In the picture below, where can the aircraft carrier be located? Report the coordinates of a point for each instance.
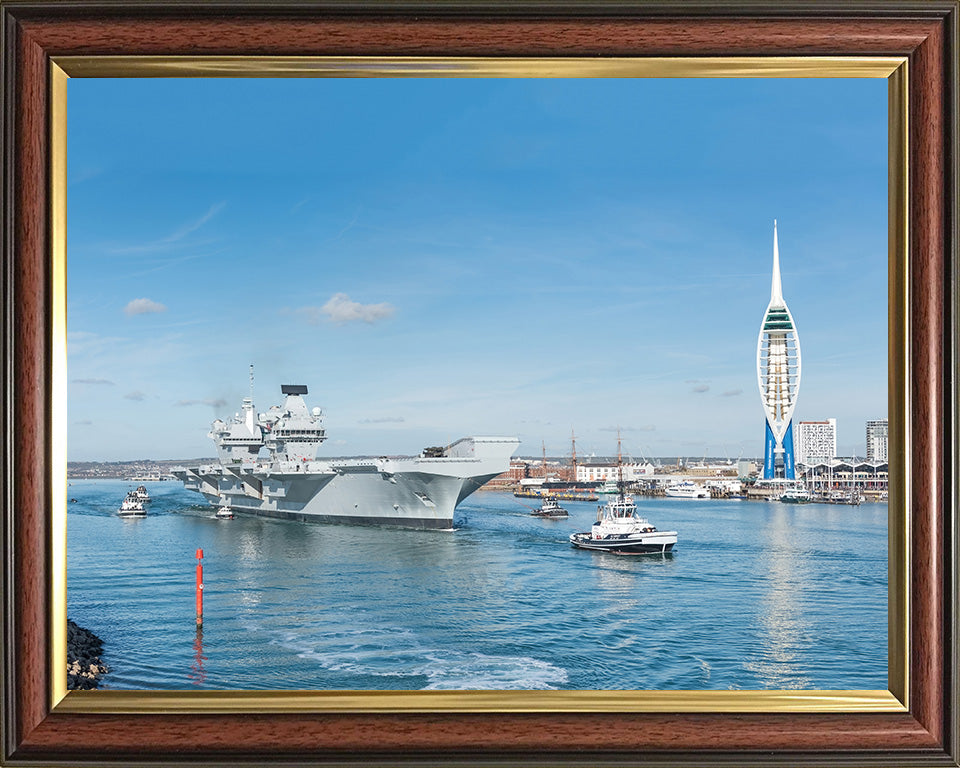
(267, 465)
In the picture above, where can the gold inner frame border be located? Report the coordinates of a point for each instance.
(895, 699)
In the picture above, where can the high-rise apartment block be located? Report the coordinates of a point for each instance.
(877, 431)
(816, 441)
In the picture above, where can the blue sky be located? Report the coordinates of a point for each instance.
(436, 258)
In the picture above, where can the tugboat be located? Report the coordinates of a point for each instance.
(550, 508)
(620, 530)
(131, 507)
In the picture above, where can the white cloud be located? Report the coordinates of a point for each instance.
(341, 309)
(214, 403)
(143, 307)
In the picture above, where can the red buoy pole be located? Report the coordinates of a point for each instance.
(199, 588)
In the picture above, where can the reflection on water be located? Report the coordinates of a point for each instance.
(756, 595)
(197, 674)
(784, 628)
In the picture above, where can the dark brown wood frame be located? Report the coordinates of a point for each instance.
(925, 32)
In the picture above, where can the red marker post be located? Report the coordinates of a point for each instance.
(199, 588)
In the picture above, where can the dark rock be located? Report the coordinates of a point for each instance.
(84, 667)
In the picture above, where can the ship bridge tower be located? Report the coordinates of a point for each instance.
(778, 374)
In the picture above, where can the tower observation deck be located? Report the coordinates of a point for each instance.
(778, 374)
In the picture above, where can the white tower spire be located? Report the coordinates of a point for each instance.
(776, 290)
(778, 373)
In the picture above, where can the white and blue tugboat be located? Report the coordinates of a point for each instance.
(620, 530)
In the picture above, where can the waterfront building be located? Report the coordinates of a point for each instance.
(778, 374)
(599, 473)
(877, 431)
(846, 475)
(519, 469)
(816, 440)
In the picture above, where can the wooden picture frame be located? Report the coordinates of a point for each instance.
(39, 728)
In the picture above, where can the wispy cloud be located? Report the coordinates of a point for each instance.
(701, 388)
(143, 307)
(106, 382)
(341, 309)
(84, 423)
(135, 395)
(644, 428)
(731, 393)
(218, 402)
(174, 237)
(383, 420)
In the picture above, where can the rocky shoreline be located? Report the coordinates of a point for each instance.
(84, 668)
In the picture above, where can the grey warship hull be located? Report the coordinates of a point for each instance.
(412, 492)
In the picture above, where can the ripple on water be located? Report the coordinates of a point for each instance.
(755, 596)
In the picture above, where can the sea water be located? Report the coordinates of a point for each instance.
(756, 595)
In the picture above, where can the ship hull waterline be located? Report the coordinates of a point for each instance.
(648, 545)
(415, 497)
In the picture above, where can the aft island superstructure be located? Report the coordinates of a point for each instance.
(291, 482)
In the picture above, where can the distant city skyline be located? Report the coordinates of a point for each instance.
(436, 258)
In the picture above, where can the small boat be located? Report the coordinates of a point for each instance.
(224, 511)
(609, 487)
(687, 489)
(550, 508)
(141, 493)
(620, 530)
(795, 494)
(131, 507)
(853, 497)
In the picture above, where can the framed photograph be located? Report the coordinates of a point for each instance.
(474, 51)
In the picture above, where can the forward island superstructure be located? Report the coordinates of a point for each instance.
(290, 482)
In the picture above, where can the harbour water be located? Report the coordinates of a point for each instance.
(756, 595)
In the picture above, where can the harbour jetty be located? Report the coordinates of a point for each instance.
(84, 668)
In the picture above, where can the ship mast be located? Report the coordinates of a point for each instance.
(619, 464)
(573, 449)
(543, 466)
